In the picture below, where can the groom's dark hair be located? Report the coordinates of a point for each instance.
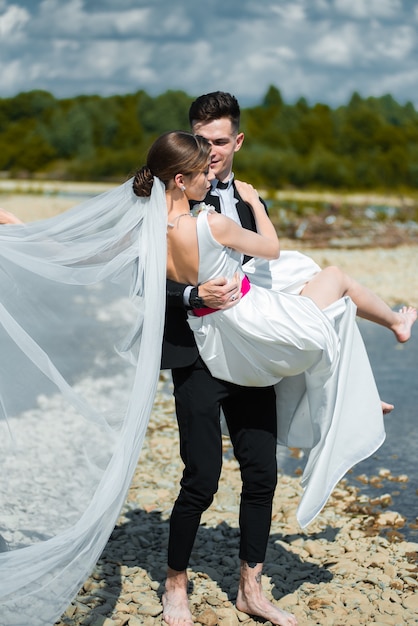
(213, 106)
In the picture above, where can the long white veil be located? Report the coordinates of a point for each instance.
(78, 292)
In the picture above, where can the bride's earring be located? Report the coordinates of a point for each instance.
(183, 188)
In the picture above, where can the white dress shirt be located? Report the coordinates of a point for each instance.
(227, 200)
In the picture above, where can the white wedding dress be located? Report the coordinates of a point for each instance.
(327, 398)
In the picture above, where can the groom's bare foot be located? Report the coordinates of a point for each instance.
(176, 611)
(386, 408)
(251, 599)
(407, 316)
(268, 611)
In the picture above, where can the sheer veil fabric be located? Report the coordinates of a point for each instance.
(81, 320)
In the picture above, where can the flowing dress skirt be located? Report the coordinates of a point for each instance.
(327, 400)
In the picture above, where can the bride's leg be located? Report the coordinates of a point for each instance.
(331, 284)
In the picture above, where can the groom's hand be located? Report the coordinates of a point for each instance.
(220, 293)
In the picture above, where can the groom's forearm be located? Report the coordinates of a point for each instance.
(175, 294)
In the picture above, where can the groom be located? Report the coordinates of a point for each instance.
(250, 412)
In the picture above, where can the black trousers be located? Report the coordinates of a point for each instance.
(251, 417)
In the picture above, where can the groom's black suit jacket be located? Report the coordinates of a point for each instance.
(179, 347)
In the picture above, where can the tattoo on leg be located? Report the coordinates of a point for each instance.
(251, 564)
(258, 578)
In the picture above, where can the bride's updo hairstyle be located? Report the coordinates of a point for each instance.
(175, 152)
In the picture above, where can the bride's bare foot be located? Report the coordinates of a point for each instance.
(176, 611)
(407, 316)
(386, 408)
(251, 599)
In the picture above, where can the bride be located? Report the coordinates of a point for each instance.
(72, 436)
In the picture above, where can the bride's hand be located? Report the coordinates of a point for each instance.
(249, 194)
(220, 293)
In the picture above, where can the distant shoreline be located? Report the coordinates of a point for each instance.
(48, 187)
(390, 271)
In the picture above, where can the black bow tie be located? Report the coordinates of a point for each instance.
(222, 185)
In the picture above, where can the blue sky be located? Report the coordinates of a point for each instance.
(323, 50)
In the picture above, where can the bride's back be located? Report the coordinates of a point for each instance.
(182, 250)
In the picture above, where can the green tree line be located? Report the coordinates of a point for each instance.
(369, 143)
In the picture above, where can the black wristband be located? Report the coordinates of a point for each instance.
(195, 301)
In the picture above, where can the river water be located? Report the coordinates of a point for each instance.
(396, 371)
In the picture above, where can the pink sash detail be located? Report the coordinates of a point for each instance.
(245, 288)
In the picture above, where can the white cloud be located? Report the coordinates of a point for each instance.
(364, 9)
(339, 48)
(70, 19)
(395, 82)
(320, 49)
(13, 21)
(399, 44)
(289, 11)
(10, 75)
(58, 18)
(283, 52)
(321, 5)
(133, 22)
(178, 24)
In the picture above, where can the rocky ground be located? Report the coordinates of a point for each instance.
(343, 571)
(351, 567)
